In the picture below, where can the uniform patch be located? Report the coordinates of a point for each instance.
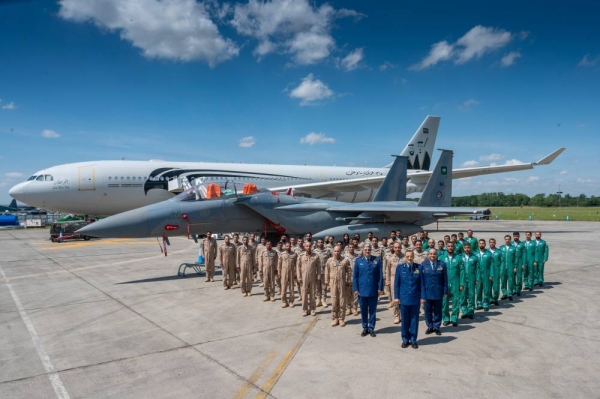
(440, 268)
(417, 271)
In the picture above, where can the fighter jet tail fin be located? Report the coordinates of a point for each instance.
(393, 187)
(438, 191)
(419, 149)
(13, 204)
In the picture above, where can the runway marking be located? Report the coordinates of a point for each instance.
(59, 388)
(279, 369)
(274, 377)
(84, 244)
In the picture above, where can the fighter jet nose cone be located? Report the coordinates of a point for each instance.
(130, 224)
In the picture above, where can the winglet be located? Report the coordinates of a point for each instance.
(419, 149)
(438, 191)
(393, 187)
(549, 158)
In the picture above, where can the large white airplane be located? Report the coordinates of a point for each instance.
(110, 187)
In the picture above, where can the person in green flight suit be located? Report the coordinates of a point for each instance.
(541, 257)
(471, 240)
(529, 272)
(484, 264)
(519, 263)
(458, 245)
(469, 282)
(508, 268)
(454, 270)
(495, 272)
(441, 248)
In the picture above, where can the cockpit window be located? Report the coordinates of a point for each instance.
(210, 191)
(32, 178)
(40, 178)
(49, 178)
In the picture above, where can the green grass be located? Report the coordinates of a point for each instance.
(588, 214)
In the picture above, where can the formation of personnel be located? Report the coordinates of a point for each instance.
(476, 273)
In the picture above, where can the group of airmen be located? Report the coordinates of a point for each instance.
(478, 272)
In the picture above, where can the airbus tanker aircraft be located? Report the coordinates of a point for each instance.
(227, 207)
(110, 187)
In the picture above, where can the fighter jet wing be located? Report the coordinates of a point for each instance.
(405, 208)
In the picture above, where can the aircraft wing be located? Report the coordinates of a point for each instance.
(327, 188)
(421, 177)
(404, 207)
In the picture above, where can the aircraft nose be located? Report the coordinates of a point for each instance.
(16, 192)
(130, 224)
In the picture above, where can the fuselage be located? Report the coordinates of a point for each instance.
(110, 187)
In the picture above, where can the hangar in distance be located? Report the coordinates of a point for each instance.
(110, 187)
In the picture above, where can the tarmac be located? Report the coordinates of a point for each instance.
(111, 318)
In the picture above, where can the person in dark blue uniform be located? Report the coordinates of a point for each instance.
(434, 288)
(367, 282)
(407, 289)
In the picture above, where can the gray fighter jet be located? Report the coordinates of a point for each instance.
(227, 207)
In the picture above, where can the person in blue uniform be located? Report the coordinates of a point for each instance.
(434, 288)
(367, 282)
(407, 289)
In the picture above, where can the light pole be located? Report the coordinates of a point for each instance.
(559, 193)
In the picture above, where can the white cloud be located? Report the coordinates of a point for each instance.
(316, 138)
(247, 142)
(510, 58)
(294, 27)
(352, 60)
(477, 42)
(580, 126)
(50, 134)
(513, 162)
(532, 179)
(173, 29)
(480, 40)
(440, 51)
(583, 181)
(387, 66)
(10, 106)
(466, 105)
(563, 172)
(402, 81)
(586, 61)
(491, 158)
(469, 164)
(311, 90)
(14, 175)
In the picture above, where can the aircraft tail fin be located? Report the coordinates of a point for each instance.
(419, 149)
(393, 187)
(13, 204)
(438, 191)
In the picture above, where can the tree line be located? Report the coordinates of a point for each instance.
(542, 200)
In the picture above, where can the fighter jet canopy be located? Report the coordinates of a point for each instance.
(220, 190)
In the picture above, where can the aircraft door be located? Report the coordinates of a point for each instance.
(86, 178)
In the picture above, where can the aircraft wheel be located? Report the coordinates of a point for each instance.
(86, 238)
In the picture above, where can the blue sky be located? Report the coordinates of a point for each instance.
(245, 82)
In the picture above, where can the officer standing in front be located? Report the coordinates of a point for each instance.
(434, 288)
(227, 259)
(367, 282)
(407, 288)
